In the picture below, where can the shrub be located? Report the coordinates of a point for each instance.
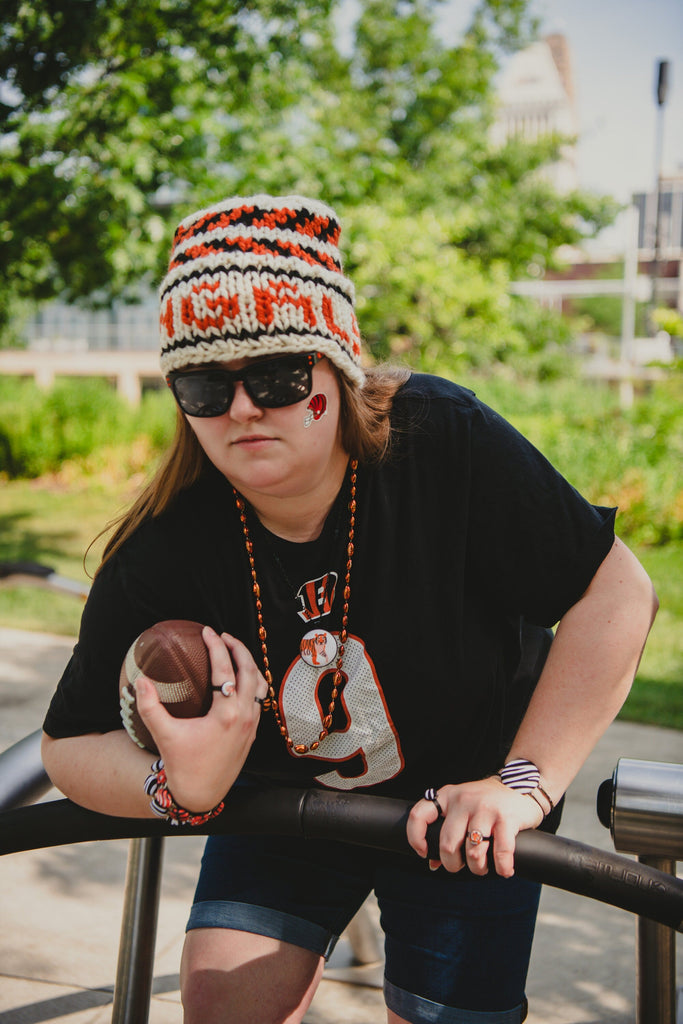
(625, 457)
(40, 430)
(630, 458)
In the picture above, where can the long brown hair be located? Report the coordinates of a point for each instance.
(365, 435)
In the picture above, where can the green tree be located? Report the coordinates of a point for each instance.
(120, 117)
(115, 113)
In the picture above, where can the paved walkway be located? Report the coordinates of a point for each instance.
(60, 912)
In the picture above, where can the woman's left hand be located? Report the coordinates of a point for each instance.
(486, 807)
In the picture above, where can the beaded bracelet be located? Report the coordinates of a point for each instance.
(163, 804)
(525, 777)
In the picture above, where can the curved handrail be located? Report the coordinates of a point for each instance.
(36, 574)
(23, 779)
(365, 820)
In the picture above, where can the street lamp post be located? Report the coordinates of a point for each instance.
(661, 94)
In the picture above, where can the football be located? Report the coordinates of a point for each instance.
(174, 656)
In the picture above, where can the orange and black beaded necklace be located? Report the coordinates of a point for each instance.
(271, 702)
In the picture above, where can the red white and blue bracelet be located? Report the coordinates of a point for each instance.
(164, 806)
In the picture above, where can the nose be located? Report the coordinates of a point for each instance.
(242, 408)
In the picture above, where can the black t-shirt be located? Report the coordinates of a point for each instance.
(464, 534)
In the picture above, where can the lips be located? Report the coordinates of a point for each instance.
(252, 439)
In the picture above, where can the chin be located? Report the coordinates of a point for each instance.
(275, 480)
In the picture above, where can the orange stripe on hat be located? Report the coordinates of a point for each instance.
(254, 276)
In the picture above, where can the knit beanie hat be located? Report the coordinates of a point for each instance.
(258, 276)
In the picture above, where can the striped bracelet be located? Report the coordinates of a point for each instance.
(525, 777)
(164, 806)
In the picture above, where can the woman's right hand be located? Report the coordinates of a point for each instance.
(203, 756)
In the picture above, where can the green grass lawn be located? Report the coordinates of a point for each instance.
(53, 520)
(657, 695)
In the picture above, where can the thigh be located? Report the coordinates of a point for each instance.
(456, 940)
(301, 891)
(231, 976)
(267, 912)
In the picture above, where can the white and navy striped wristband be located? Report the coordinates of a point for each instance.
(525, 778)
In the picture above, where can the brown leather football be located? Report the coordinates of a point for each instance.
(174, 656)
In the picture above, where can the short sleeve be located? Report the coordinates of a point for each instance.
(179, 565)
(534, 542)
(118, 609)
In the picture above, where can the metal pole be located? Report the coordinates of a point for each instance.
(135, 969)
(661, 92)
(628, 311)
(655, 962)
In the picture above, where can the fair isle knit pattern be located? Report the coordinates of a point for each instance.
(258, 276)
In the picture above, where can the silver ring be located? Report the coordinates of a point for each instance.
(476, 837)
(227, 688)
(430, 794)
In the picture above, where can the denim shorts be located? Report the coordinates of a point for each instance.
(457, 946)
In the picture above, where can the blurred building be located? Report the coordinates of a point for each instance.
(660, 239)
(669, 205)
(658, 259)
(536, 97)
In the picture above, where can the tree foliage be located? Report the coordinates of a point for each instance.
(120, 117)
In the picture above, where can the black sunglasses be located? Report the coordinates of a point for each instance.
(272, 384)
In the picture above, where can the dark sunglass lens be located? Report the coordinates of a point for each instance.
(274, 386)
(203, 394)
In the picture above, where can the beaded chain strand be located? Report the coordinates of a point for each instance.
(271, 702)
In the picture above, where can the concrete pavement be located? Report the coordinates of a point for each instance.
(60, 912)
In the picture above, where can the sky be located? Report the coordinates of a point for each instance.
(615, 49)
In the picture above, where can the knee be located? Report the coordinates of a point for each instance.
(218, 997)
(199, 996)
(200, 986)
(272, 985)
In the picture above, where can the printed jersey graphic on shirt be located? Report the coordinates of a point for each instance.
(318, 648)
(317, 596)
(368, 745)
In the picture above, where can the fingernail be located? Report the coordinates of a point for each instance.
(141, 686)
(434, 865)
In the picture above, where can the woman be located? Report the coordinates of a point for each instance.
(368, 551)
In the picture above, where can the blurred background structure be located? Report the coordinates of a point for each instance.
(613, 288)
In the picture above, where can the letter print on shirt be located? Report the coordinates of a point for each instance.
(317, 597)
(370, 735)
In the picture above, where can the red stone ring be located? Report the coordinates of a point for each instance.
(476, 837)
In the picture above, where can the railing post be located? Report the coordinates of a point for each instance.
(655, 962)
(643, 807)
(135, 968)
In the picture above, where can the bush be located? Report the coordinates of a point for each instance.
(630, 458)
(40, 431)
